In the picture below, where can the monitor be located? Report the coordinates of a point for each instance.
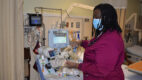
(52, 53)
(58, 38)
(35, 19)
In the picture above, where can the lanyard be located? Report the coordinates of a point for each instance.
(91, 43)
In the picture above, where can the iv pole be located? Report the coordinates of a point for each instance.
(41, 9)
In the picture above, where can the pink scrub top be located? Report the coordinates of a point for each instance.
(103, 59)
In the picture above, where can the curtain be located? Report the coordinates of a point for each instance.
(121, 13)
(11, 40)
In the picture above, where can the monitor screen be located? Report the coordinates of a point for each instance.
(58, 38)
(35, 19)
(52, 53)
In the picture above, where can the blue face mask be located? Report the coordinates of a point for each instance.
(96, 24)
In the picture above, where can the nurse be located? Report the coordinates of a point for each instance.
(104, 54)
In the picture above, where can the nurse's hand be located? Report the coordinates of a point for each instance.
(70, 64)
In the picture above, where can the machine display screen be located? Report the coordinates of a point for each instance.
(59, 40)
(52, 53)
(59, 37)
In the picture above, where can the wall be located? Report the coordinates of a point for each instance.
(132, 6)
(141, 15)
(63, 4)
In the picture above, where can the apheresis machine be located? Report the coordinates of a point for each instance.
(51, 60)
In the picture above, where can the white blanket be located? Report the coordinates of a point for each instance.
(130, 75)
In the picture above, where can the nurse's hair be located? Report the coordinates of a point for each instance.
(109, 18)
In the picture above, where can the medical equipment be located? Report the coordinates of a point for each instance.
(78, 35)
(51, 64)
(53, 56)
(35, 19)
(58, 38)
(134, 53)
(41, 9)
